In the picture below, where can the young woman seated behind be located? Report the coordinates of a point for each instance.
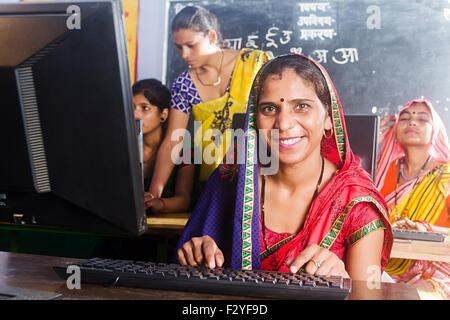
(151, 102)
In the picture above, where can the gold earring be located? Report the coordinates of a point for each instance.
(327, 136)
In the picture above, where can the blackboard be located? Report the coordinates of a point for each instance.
(379, 54)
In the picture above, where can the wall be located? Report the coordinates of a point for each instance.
(150, 37)
(151, 34)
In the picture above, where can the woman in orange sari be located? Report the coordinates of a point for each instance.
(413, 175)
(319, 211)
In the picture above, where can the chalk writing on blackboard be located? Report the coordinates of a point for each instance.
(314, 6)
(313, 20)
(347, 55)
(339, 55)
(313, 34)
(284, 39)
(316, 21)
(377, 57)
(233, 43)
(251, 41)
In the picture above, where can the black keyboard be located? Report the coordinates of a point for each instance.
(418, 235)
(253, 283)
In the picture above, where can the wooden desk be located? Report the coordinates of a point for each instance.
(171, 222)
(35, 272)
(407, 249)
(421, 250)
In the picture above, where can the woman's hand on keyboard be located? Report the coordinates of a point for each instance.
(405, 223)
(318, 261)
(201, 251)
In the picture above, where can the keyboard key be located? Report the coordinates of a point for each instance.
(322, 284)
(296, 282)
(252, 280)
(309, 283)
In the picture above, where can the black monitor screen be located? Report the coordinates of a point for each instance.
(362, 131)
(70, 156)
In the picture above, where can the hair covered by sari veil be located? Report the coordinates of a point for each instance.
(228, 209)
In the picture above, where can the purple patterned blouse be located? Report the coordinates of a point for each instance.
(184, 93)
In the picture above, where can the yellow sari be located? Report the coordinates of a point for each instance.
(216, 116)
(425, 202)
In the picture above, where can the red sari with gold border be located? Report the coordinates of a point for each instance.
(347, 209)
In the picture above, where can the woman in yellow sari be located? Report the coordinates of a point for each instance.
(216, 86)
(414, 177)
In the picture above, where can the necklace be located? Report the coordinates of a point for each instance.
(423, 167)
(215, 84)
(417, 176)
(263, 188)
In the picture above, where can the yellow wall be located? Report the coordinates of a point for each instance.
(131, 15)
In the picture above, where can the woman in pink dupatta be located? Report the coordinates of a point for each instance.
(414, 176)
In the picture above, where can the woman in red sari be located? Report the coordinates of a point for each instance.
(319, 211)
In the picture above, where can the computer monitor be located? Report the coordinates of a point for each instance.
(362, 131)
(70, 157)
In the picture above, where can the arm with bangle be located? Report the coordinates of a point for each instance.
(434, 228)
(181, 199)
(420, 225)
(164, 163)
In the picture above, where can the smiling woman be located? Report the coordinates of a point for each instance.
(319, 211)
(301, 118)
